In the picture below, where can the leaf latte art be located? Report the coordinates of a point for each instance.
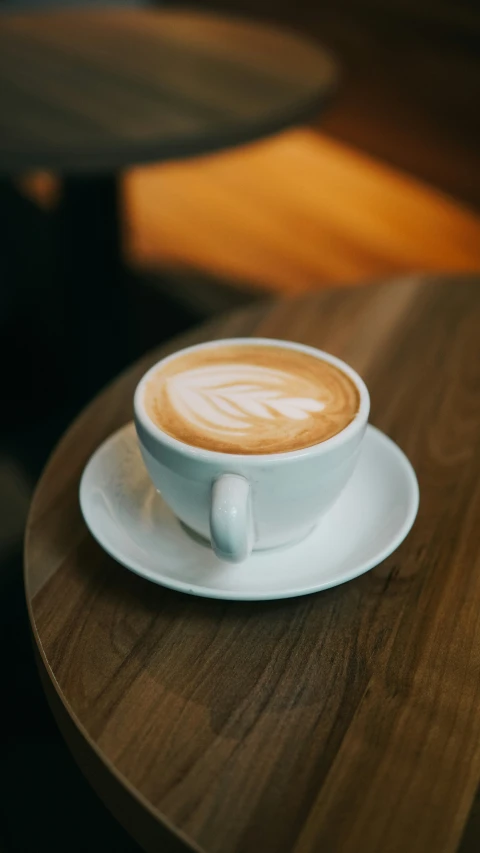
(232, 397)
(250, 398)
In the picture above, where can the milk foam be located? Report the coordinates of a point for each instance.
(228, 399)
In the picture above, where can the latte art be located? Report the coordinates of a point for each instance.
(232, 398)
(250, 399)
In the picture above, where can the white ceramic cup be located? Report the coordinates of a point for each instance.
(243, 502)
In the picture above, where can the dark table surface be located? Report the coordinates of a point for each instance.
(344, 721)
(87, 91)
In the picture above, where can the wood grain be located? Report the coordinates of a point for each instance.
(90, 91)
(348, 720)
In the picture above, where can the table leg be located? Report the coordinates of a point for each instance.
(91, 280)
(33, 381)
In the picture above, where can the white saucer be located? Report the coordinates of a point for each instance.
(133, 524)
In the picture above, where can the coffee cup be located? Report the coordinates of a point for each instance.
(250, 441)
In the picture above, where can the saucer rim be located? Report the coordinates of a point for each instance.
(237, 595)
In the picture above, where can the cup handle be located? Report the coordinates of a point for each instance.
(231, 522)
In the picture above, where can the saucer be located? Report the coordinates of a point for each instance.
(130, 520)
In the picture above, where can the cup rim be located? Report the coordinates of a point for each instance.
(201, 453)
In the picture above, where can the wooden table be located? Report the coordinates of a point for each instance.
(88, 93)
(345, 721)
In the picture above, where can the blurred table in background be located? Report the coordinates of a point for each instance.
(86, 94)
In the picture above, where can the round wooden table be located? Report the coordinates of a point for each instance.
(88, 93)
(343, 721)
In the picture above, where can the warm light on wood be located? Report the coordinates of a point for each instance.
(293, 213)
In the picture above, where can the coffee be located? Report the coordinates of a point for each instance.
(250, 399)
